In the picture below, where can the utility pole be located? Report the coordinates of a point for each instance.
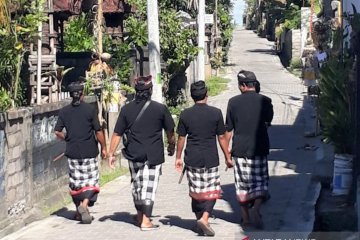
(201, 41)
(154, 49)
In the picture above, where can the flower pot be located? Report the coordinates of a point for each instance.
(342, 174)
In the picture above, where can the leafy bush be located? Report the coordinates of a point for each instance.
(120, 60)
(77, 35)
(295, 63)
(216, 61)
(292, 17)
(334, 104)
(17, 31)
(5, 100)
(127, 88)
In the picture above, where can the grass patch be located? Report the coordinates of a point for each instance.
(109, 175)
(216, 85)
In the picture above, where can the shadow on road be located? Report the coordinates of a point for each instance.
(177, 221)
(65, 213)
(265, 51)
(125, 217)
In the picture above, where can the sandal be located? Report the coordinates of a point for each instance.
(208, 231)
(150, 228)
(85, 215)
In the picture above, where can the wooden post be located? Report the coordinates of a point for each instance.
(99, 27)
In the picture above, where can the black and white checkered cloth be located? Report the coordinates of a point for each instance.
(144, 181)
(83, 173)
(251, 178)
(204, 183)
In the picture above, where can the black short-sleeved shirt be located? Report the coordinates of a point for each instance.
(80, 123)
(146, 140)
(247, 114)
(201, 123)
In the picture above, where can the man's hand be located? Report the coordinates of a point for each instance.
(178, 165)
(103, 153)
(171, 149)
(229, 163)
(111, 161)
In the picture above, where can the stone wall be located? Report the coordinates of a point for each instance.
(290, 42)
(29, 178)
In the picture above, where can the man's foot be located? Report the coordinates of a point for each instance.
(205, 227)
(258, 223)
(245, 223)
(85, 215)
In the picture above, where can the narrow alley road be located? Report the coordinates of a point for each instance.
(293, 193)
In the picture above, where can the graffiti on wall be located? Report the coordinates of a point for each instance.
(43, 130)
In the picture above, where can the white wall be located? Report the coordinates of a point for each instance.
(305, 26)
(347, 8)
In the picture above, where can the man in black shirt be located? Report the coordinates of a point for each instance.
(248, 116)
(81, 123)
(143, 121)
(202, 124)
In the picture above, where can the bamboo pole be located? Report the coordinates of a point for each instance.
(99, 27)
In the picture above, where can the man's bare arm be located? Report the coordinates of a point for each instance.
(179, 149)
(101, 139)
(224, 144)
(60, 135)
(114, 143)
(171, 141)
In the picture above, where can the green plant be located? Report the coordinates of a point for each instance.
(5, 100)
(216, 85)
(216, 61)
(120, 60)
(127, 88)
(334, 104)
(136, 29)
(175, 41)
(295, 63)
(77, 35)
(17, 31)
(292, 17)
(176, 110)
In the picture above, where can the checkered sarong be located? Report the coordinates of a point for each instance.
(204, 183)
(83, 173)
(251, 178)
(144, 181)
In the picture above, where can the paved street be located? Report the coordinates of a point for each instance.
(293, 193)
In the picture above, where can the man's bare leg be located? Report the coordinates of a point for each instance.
(245, 214)
(257, 216)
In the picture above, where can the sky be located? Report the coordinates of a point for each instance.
(239, 6)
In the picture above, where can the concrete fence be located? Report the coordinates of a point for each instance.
(290, 45)
(30, 180)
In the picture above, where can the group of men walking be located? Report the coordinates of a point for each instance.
(141, 123)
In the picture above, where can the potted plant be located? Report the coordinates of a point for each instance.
(336, 117)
